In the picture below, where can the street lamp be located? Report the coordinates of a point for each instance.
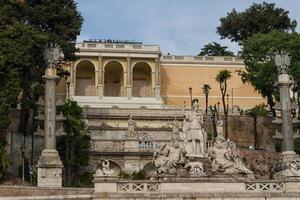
(218, 106)
(191, 95)
(227, 95)
(68, 94)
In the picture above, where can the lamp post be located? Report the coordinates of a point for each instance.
(49, 164)
(191, 95)
(218, 106)
(68, 90)
(232, 100)
(227, 95)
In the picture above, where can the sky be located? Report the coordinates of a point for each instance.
(178, 26)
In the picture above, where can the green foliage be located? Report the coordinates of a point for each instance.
(141, 175)
(83, 180)
(223, 76)
(205, 89)
(297, 146)
(4, 160)
(26, 29)
(258, 110)
(258, 53)
(258, 18)
(215, 49)
(123, 175)
(74, 146)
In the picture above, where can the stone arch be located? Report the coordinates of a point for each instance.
(113, 79)
(85, 78)
(142, 80)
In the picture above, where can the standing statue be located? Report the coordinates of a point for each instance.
(175, 127)
(195, 135)
(219, 127)
(131, 127)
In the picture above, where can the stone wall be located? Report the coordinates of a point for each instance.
(109, 126)
(241, 131)
(20, 192)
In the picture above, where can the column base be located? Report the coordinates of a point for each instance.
(131, 144)
(49, 169)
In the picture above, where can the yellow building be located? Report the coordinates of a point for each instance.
(133, 75)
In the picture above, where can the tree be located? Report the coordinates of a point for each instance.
(215, 49)
(256, 111)
(27, 28)
(205, 90)
(222, 78)
(258, 18)
(74, 146)
(4, 160)
(258, 53)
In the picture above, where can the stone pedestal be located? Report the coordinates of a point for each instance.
(49, 169)
(131, 144)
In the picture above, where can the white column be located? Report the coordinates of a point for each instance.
(129, 79)
(49, 164)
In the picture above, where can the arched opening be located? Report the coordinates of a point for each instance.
(113, 79)
(85, 79)
(142, 85)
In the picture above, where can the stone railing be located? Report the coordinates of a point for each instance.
(265, 187)
(117, 46)
(201, 58)
(148, 145)
(107, 145)
(138, 187)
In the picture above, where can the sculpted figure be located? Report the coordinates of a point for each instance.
(195, 168)
(131, 127)
(175, 127)
(194, 131)
(292, 169)
(224, 158)
(168, 157)
(105, 170)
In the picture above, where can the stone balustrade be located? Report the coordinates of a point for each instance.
(265, 186)
(214, 59)
(117, 46)
(204, 185)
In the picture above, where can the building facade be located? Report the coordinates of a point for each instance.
(134, 75)
(113, 80)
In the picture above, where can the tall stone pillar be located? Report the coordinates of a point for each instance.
(289, 160)
(100, 85)
(284, 83)
(157, 80)
(49, 164)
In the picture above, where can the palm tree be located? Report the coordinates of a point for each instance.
(256, 111)
(222, 78)
(205, 90)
